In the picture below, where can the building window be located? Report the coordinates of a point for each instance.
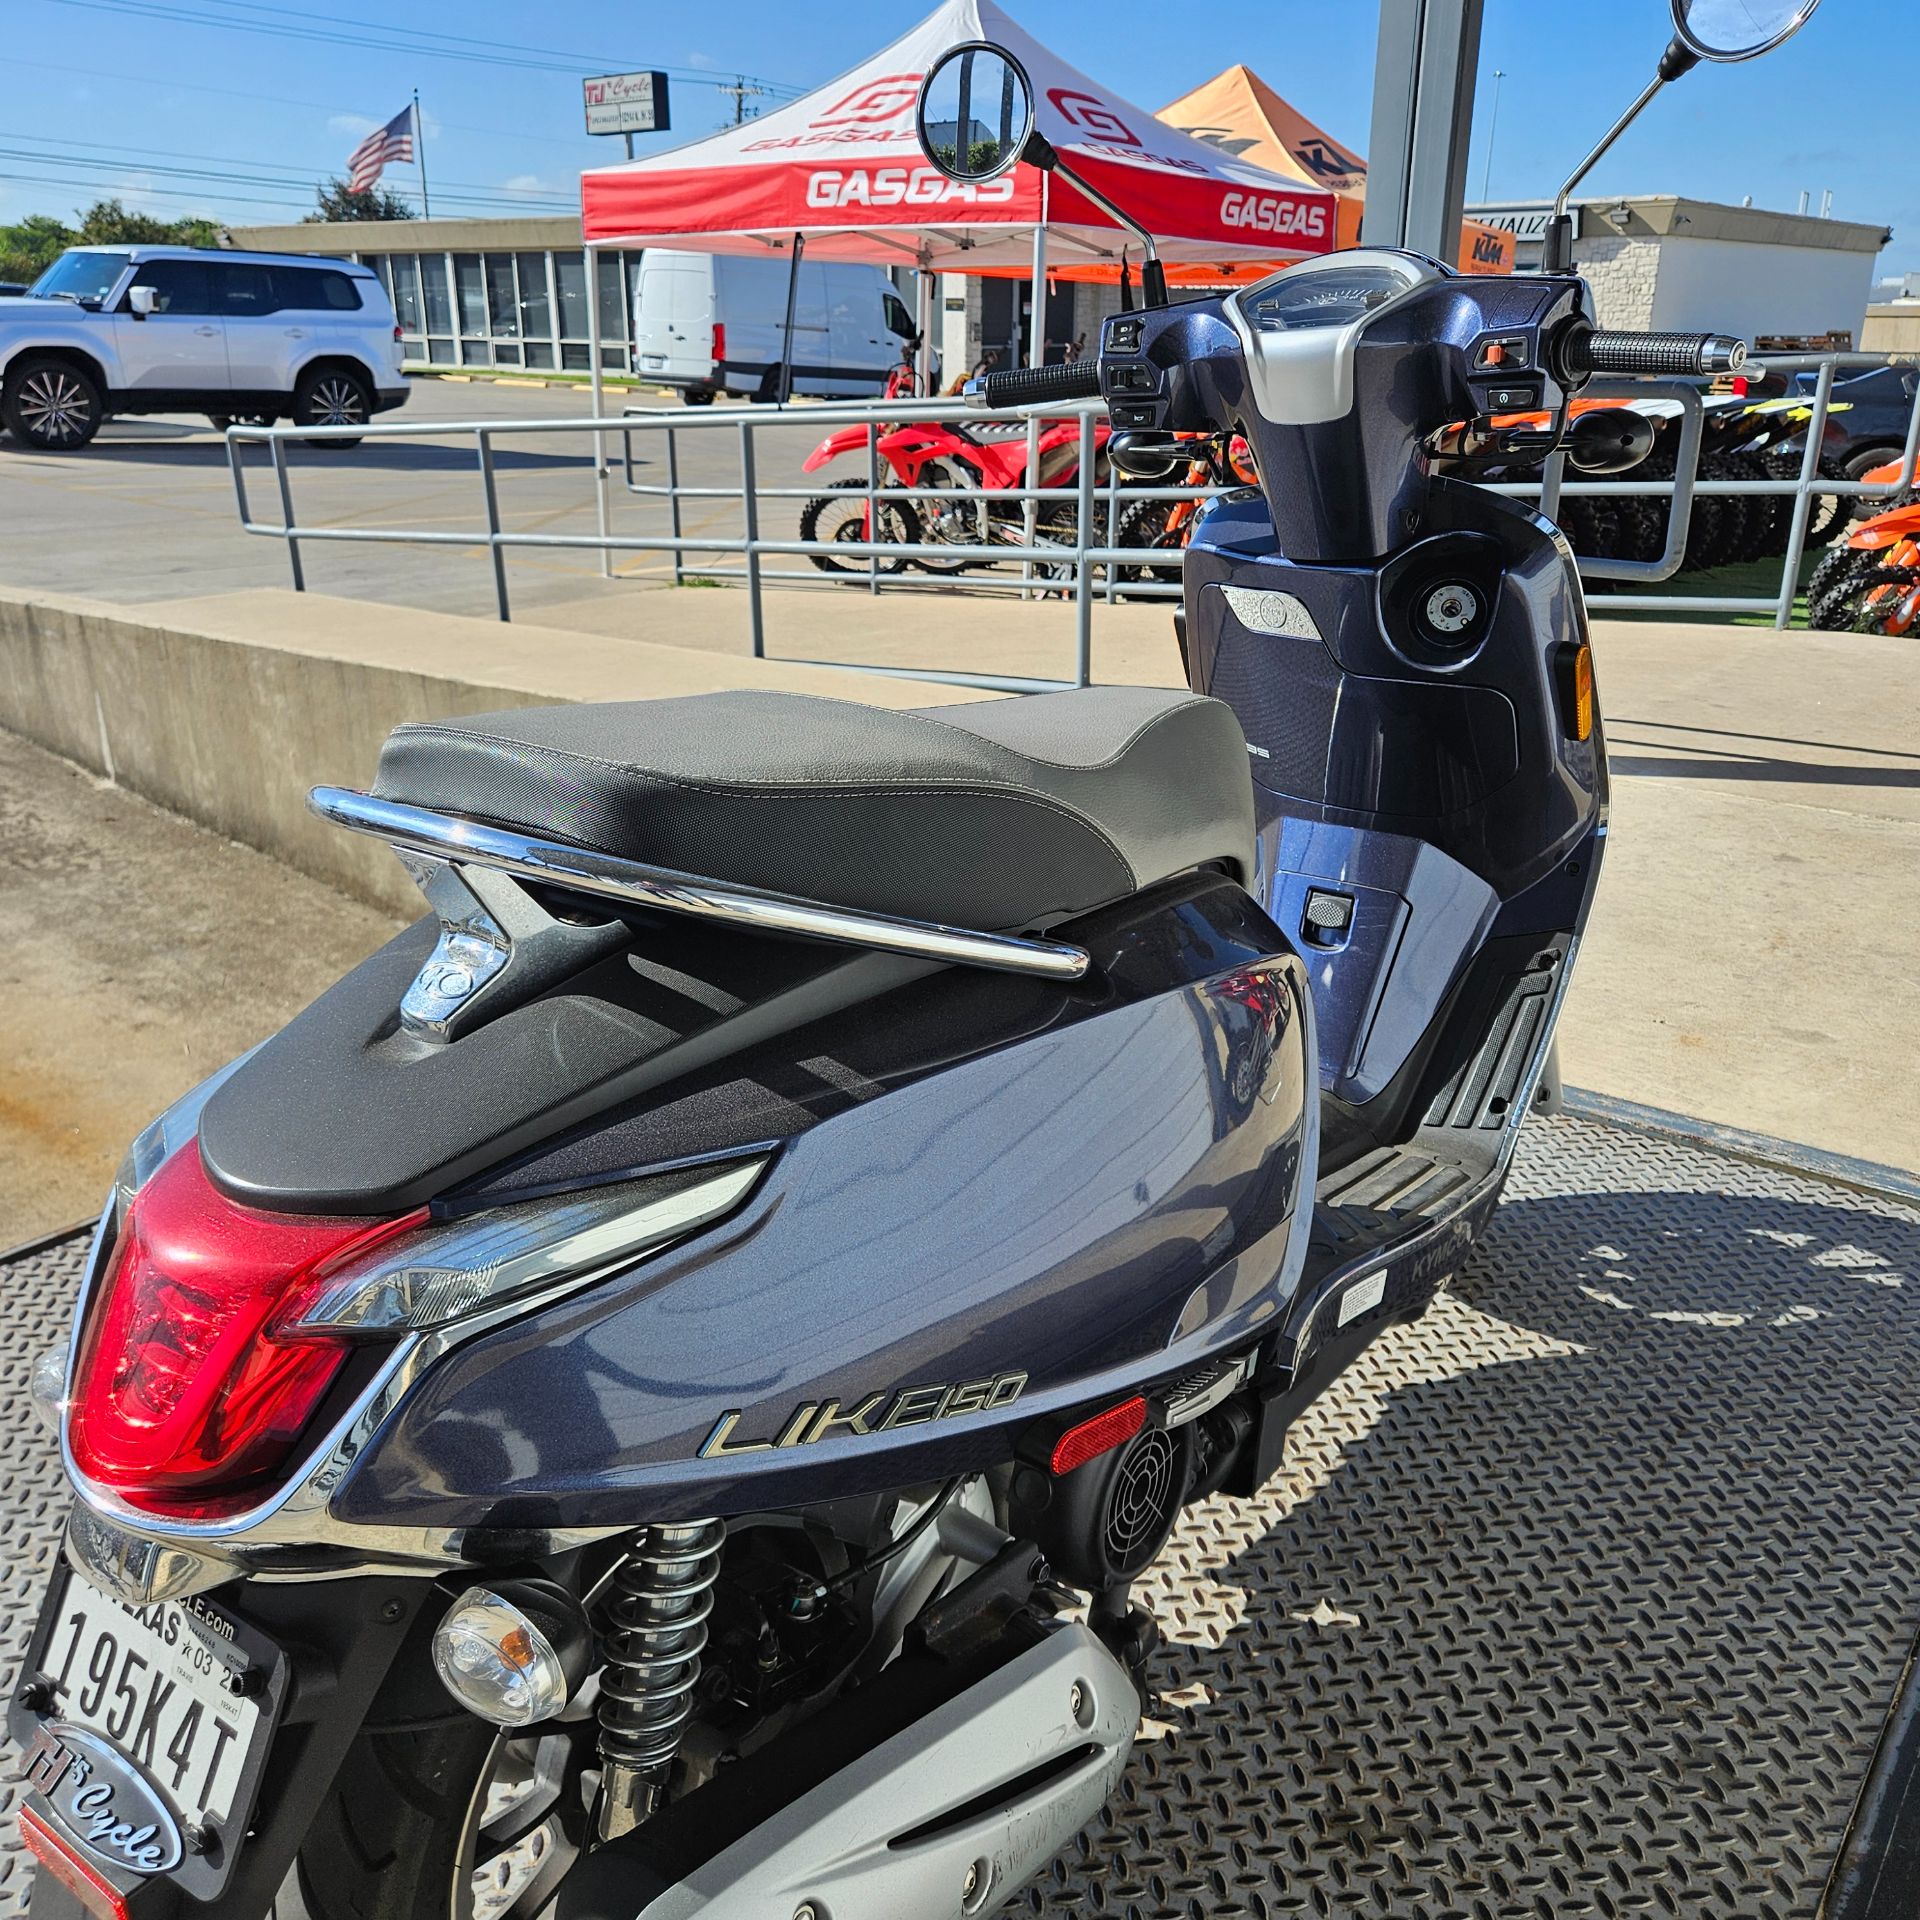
(536, 309)
(503, 301)
(406, 293)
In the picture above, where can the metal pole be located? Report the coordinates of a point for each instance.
(751, 528)
(673, 506)
(484, 441)
(873, 506)
(1082, 575)
(1803, 500)
(286, 512)
(1428, 54)
(923, 312)
(597, 387)
(1036, 357)
(786, 338)
(420, 154)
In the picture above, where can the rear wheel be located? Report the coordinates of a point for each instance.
(696, 396)
(52, 405)
(332, 397)
(841, 514)
(1875, 599)
(457, 1822)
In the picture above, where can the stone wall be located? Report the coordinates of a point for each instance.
(1623, 273)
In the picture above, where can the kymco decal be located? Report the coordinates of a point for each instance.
(1094, 118)
(884, 97)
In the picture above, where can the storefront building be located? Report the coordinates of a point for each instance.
(481, 293)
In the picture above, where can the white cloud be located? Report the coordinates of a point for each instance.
(351, 126)
(526, 186)
(705, 60)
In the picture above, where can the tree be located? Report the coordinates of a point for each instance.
(338, 201)
(30, 246)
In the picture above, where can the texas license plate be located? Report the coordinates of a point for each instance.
(167, 1708)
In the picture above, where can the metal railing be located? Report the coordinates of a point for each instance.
(1089, 565)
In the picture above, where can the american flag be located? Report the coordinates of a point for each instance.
(385, 147)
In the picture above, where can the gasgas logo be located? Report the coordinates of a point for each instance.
(882, 1412)
(1093, 117)
(899, 187)
(885, 97)
(1269, 213)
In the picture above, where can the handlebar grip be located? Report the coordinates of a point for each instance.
(1596, 351)
(1037, 386)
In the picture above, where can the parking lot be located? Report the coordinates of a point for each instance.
(155, 499)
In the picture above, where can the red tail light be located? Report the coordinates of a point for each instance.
(185, 1385)
(397, 334)
(719, 341)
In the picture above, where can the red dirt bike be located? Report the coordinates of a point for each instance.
(1870, 582)
(941, 455)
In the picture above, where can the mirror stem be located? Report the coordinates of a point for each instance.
(1556, 252)
(1040, 152)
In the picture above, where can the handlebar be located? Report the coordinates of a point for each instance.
(1588, 350)
(1037, 386)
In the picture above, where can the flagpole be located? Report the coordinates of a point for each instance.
(420, 154)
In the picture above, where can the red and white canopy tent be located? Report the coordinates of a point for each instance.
(841, 169)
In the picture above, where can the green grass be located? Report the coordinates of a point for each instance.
(1745, 580)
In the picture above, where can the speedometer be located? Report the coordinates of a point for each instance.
(1327, 297)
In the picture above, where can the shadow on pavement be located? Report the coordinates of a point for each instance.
(1599, 1578)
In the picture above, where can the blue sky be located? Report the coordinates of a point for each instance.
(108, 95)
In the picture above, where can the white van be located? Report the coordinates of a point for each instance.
(711, 323)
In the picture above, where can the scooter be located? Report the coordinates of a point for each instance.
(940, 457)
(650, 1396)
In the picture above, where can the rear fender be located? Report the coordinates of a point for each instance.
(1886, 529)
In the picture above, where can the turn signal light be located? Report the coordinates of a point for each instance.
(1573, 669)
(183, 1383)
(1105, 1431)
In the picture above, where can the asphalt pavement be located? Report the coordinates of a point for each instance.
(147, 512)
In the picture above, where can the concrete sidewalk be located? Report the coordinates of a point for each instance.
(1750, 960)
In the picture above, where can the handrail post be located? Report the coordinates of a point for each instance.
(673, 507)
(1082, 571)
(286, 512)
(750, 517)
(873, 506)
(484, 443)
(1803, 498)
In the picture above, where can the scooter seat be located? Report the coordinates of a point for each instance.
(1000, 814)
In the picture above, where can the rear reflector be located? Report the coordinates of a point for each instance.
(186, 1383)
(91, 1888)
(1101, 1434)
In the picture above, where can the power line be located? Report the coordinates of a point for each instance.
(140, 157)
(372, 36)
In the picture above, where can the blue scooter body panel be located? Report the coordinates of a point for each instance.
(1083, 1213)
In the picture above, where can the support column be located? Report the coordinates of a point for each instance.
(1424, 73)
(597, 387)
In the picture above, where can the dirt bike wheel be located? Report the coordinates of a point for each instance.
(1867, 601)
(1835, 568)
(833, 516)
(1144, 524)
(454, 1821)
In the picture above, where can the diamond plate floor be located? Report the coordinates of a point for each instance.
(1585, 1596)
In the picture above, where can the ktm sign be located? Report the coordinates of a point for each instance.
(1269, 213)
(899, 187)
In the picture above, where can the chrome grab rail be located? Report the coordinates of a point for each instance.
(558, 863)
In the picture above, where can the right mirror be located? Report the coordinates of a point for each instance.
(1738, 29)
(975, 112)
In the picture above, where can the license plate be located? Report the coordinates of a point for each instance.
(183, 1691)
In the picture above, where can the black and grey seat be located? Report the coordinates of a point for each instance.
(996, 814)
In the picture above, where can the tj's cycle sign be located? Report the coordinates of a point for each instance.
(626, 103)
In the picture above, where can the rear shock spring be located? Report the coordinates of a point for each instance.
(659, 1599)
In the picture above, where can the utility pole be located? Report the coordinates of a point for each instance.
(741, 88)
(1493, 126)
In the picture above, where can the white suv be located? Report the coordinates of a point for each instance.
(109, 330)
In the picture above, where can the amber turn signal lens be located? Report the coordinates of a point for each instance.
(1573, 670)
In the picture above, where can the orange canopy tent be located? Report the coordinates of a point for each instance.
(1239, 113)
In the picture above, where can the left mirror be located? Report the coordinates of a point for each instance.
(976, 112)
